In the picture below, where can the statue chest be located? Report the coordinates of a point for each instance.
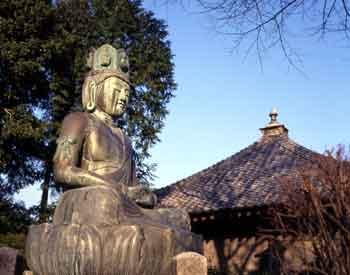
(103, 143)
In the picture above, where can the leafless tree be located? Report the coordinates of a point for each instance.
(263, 24)
(318, 212)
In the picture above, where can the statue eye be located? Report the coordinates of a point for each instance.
(124, 68)
(124, 63)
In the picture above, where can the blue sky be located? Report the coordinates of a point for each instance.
(223, 98)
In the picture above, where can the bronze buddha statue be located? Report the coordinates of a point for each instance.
(103, 223)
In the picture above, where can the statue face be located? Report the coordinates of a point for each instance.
(114, 97)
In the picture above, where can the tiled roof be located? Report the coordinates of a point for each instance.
(249, 178)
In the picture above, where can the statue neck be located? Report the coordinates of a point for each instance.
(104, 117)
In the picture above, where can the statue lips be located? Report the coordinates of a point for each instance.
(119, 107)
(122, 104)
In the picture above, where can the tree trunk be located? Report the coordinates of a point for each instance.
(45, 194)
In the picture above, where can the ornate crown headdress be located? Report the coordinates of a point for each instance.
(110, 61)
(104, 62)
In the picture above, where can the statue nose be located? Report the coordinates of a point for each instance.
(124, 94)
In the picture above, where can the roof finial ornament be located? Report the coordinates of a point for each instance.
(273, 115)
(274, 128)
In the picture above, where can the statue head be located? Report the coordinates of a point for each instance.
(106, 86)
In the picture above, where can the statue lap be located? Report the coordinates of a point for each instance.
(97, 230)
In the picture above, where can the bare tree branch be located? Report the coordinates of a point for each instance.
(266, 23)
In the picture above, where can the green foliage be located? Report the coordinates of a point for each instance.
(23, 83)
(42, 65)
(14, 217)
(14, 240)
(14, 222)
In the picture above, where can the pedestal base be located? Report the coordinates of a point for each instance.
(99, 231)
(106, 250)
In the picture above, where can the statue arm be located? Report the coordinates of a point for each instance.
(68, 151)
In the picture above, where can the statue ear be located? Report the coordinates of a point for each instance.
(89, 96)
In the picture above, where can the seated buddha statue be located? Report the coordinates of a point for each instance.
(104, 223)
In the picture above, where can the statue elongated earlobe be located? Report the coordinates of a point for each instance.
(92, 97)
(89, 96)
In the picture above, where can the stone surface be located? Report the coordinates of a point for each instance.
(191, 263)
(11, 261)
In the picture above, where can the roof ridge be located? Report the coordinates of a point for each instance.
(299, 146)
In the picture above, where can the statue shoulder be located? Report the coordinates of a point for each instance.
(75, 124)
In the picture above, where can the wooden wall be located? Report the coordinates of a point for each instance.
(234, 255)
(233, 244)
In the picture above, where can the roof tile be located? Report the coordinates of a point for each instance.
(248, 178)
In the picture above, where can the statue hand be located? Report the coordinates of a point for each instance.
(142, 195)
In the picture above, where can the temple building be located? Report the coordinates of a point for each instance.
(228, 201)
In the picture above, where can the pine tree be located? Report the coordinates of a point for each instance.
(24, 32)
